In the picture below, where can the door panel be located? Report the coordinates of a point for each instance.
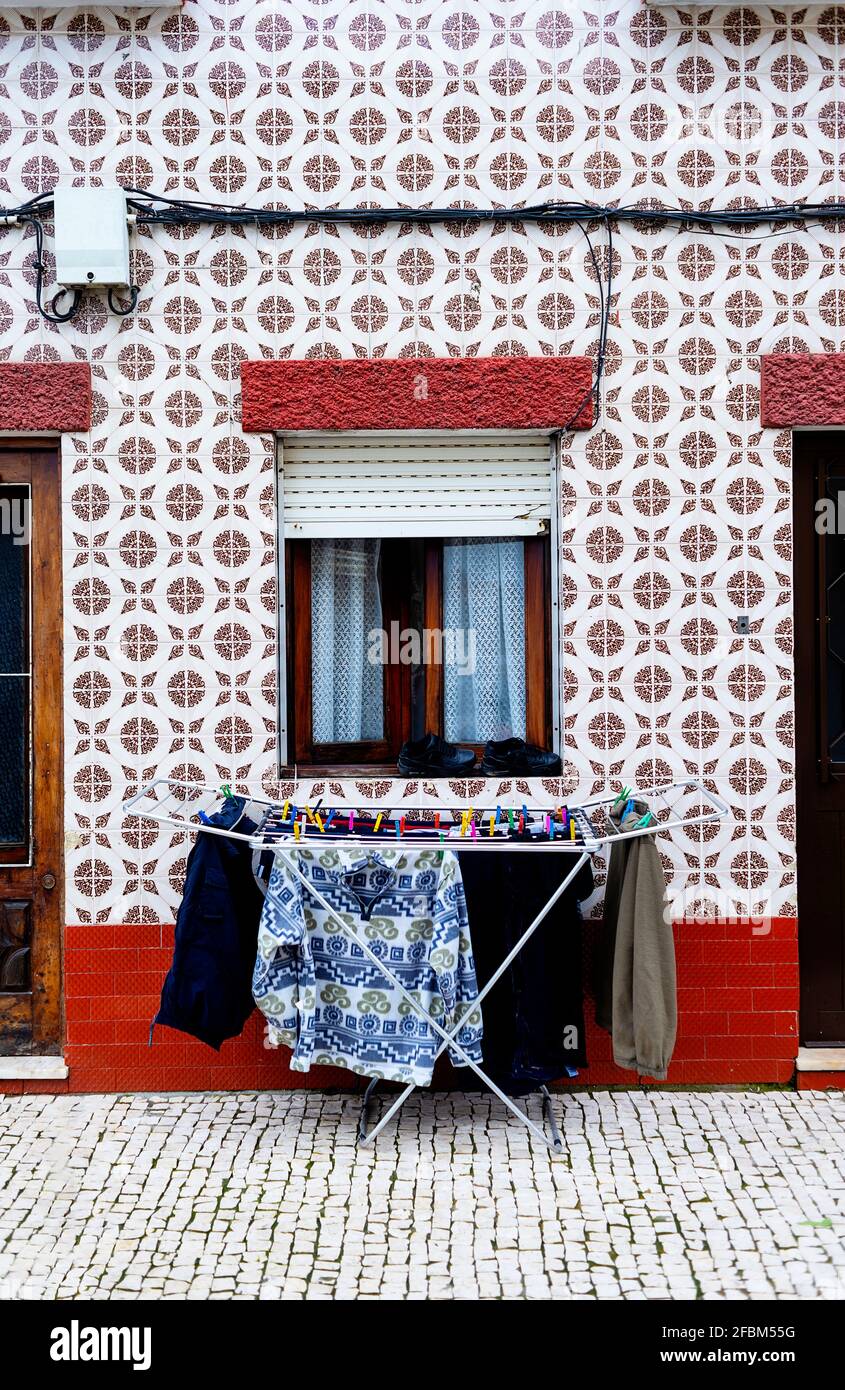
(819, 582)
(30, 751)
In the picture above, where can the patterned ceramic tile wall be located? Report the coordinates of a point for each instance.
(675, 508)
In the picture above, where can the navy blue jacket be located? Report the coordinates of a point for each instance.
(208, 990)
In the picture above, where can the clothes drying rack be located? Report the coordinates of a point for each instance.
(675, 805)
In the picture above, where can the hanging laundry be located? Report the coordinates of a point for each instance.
(636, 996)
(208, 989)
(320, 994)
(533, 1015)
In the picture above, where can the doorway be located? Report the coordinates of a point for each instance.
(30, 750)
(819, 608)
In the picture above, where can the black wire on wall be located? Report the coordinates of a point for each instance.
(154, 209)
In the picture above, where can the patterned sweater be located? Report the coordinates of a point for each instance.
(320, 994)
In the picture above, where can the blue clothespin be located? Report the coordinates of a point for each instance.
(629, 807)
(201, 816)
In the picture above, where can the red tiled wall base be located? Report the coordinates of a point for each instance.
(821, 1081)
(737, 996)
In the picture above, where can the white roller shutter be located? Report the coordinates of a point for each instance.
(406, 484)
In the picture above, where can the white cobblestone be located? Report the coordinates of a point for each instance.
(267, 1196)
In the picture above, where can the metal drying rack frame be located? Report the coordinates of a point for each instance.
(178, 806)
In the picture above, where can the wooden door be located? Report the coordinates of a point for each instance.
(819, 598)
(30, 750)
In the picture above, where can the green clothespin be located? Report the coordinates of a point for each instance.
(644, 820)
(227, 791)
(625, 792)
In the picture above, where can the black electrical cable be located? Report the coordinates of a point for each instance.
(158, 209)
(38, 264)
(124, 310)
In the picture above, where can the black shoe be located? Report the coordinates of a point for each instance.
(432, 755)
(513, 757)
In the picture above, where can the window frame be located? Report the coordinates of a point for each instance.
(379, 756)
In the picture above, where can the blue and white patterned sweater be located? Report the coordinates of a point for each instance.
(320, 994)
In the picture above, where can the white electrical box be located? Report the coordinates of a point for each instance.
(91, 238)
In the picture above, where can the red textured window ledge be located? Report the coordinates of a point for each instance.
(45, 396)
(802, 388)
(432, 393)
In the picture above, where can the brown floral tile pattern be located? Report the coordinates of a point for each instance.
(675, 511)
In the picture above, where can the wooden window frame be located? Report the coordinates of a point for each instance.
(379, 756)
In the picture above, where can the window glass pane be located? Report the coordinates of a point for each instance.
(14, 773)
(14, 666)
(14, 570)
(347, 675)
(484, 639)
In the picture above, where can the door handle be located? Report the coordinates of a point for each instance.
(48, 881)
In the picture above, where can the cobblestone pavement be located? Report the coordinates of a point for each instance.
(663, 1194)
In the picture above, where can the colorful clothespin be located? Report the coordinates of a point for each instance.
(285, 810)
(626, 791)
(379, 819)
(571, 828)
(498, 815)
(644, 820)
(329, 818)
(319, 821)
(296, 830)
(510, 817)
(492, 823)
(351, 822)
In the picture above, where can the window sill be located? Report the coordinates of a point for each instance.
(358, 771)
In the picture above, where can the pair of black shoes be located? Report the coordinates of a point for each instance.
(432, 756)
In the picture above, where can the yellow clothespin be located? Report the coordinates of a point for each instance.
(379, 819)
(296, 830)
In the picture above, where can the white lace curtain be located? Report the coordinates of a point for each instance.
(484, 595)
(347, 688)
